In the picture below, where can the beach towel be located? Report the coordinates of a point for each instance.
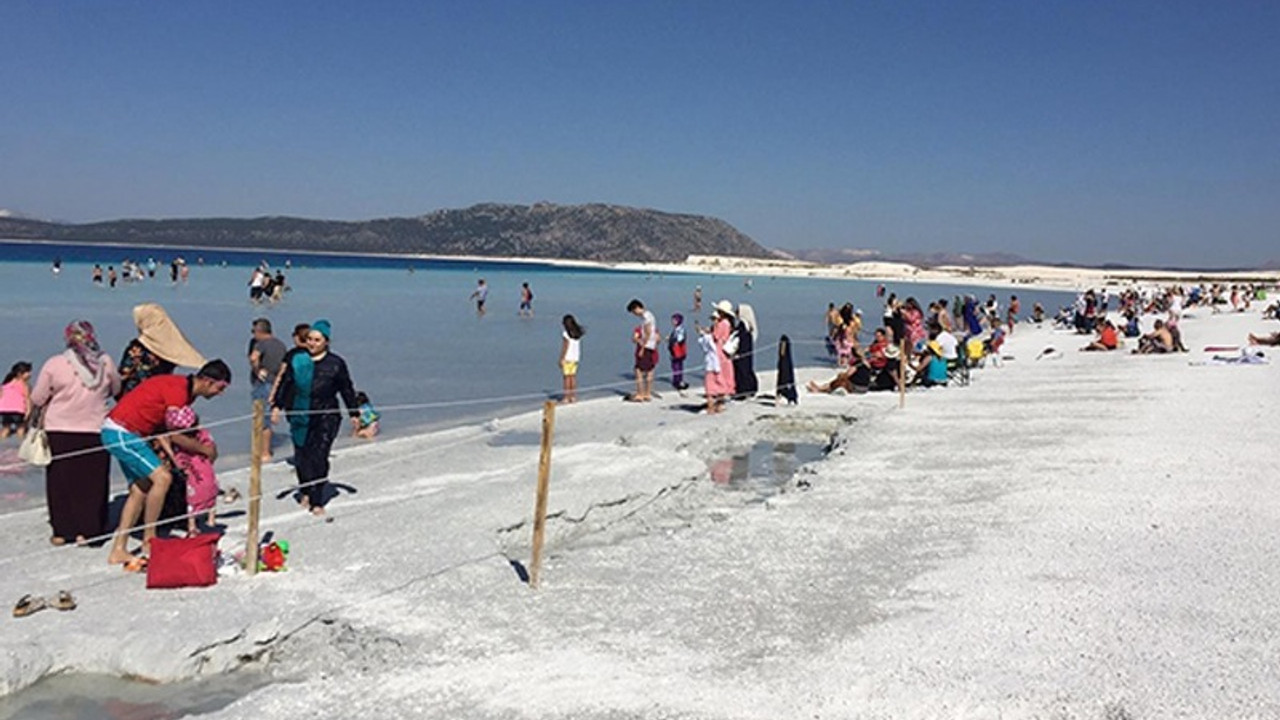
(786, 372)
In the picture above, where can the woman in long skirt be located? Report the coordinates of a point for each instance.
(746, 385)
(719, 382)
(73, 388)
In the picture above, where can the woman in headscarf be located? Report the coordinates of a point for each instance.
(746, 385)
(73, 388)
(159, 348)
(310, 385)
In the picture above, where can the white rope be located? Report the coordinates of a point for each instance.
(298, 487)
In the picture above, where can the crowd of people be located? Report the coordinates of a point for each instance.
(913, 345)
(265, 286)
(142, 412)
(132, 271)
(727, 343)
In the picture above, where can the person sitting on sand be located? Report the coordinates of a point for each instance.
(1272, 339)
(882, 358)
(1157, 341)
(1132, 327)
(1107, 339)
(856, 378)
(367, 426)
(936, 372)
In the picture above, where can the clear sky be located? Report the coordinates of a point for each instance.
(1132, 132)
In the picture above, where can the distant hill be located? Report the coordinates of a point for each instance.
(602, 233)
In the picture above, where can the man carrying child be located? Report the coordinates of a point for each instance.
(139, 415)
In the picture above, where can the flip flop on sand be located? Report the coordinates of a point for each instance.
(136, 564)
(63, 601)
(28, 604)
(231, 496)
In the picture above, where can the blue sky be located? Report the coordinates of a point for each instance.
(1132, 132)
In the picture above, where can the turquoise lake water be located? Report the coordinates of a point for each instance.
(413, 340)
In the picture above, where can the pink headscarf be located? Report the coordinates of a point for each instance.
(83, 343)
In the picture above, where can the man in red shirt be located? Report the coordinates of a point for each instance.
(126, 431)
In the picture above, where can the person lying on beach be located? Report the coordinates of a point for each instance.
(1157, 341)
(1107, 339)
(1272, 339)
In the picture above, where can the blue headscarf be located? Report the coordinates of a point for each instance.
(304, 369)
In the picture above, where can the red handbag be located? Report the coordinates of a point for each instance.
(183, 562)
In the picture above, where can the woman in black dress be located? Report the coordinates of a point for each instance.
(744, 371)
(310, 385)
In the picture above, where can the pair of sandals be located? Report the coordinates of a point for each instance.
(29, 604)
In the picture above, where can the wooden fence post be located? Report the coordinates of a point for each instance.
(255, 490)
(544, 480)
(902, 375)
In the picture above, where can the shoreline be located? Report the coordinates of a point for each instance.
(966, 551)
(1046, 277)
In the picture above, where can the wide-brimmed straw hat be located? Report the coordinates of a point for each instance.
(161, 336)
(724, 307)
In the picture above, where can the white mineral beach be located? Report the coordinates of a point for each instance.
(1085, 535)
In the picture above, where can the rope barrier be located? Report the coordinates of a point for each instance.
(389, 408)
(298, 487)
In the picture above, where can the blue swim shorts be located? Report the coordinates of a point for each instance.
(136, 457)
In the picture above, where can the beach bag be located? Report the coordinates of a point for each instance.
(35, 448)
(731, 343)
(183, 562)
(35, 444)
(679, 351)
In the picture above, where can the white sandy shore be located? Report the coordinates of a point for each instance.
(1084, 536)
(1046, 276)
(1049, 277)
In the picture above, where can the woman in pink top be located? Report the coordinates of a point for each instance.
(73, 387)
(15, 403)
(720, 384)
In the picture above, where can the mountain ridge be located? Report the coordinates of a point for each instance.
(595, 232)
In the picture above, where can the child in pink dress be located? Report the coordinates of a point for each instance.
(202, 483)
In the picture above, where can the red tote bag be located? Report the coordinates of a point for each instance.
(183, 562)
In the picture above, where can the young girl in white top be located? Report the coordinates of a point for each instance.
(570, 352)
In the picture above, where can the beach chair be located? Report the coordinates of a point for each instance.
(959, 368)
(974, 350)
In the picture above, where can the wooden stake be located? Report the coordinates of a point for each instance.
(255, 490)
(902, 375)
(544, 481)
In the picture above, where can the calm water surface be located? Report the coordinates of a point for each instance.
(413, 340)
